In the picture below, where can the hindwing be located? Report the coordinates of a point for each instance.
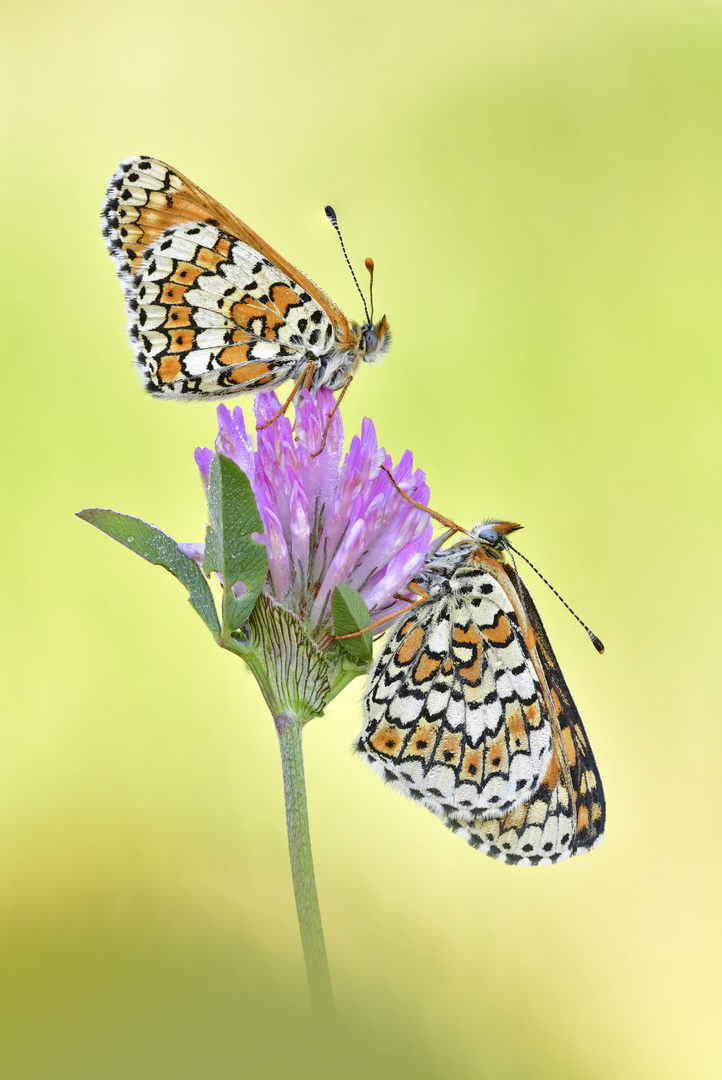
(455, 713)
(212, 316)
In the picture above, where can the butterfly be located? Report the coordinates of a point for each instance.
(467, 711)
(212, 308)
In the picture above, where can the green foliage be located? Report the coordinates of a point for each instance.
(350, 615)
(230, 549)
(154, 545)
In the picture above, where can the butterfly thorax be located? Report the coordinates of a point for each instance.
(440, 566)
(445, 573)
(353, 343)
(486, 541)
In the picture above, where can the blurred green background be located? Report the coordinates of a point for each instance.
(540, 184)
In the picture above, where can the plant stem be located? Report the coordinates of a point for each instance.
(290, 729)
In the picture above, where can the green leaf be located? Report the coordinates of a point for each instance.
(158, 548)
(230, 550)
(350, 615)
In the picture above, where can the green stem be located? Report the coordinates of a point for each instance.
(290, 729)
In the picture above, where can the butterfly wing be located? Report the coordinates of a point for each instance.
(566, 815)
(211, 316)
(578, 762)
(456, 717)
(212, 308)
(146, 197)
(539, 831)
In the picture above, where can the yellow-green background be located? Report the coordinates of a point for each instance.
(540, 185)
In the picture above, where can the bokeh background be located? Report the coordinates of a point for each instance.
(539, 182)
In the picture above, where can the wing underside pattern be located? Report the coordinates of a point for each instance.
(212, 309)
(464, 716)
(211, 316)
(455, 713)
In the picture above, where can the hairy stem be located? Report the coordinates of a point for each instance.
(290, 729)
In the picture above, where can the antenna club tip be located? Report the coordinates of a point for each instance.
(597, 643)
(330, 213)
(369, 264)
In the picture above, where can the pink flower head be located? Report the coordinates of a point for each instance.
(331, 519)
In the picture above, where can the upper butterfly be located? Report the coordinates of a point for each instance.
(467, 711)
(213, 310)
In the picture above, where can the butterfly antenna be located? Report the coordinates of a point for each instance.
(593, 637)
(369, 264)
(331, 215)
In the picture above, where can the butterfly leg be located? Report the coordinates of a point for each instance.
(339, 399)
(306, 377)
(420, 506)
(420, 599)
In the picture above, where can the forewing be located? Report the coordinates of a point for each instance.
(145, 197)
(566, 815)
(576, 752)
(193, 296)
(210, 315)
(455, 714)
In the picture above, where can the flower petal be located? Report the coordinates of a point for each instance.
(300, 529)
(327, 521)
(339, 569)
(278, 562)
(233, 441)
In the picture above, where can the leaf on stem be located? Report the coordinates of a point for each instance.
(160, 549)
(230, 548)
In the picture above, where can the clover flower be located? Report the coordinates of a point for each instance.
(300, 542)
(327, 521)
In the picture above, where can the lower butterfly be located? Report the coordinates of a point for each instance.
(468, 713)
(212, 308)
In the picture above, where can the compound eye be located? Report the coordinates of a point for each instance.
(371, 340)
(490, 535)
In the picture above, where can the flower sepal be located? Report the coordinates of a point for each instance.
(293, 674)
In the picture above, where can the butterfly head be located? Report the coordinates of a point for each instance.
(375, 341)
(492, 533)
(489, 538)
